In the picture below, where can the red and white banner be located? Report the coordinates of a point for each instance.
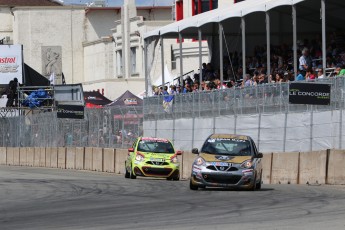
(11, 63)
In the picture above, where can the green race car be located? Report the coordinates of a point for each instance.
(152, 157)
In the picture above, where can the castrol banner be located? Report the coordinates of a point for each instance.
(11, 63)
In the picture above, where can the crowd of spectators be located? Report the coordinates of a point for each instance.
(309, 67)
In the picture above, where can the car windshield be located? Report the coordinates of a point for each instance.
(155, 146)
(227, 146)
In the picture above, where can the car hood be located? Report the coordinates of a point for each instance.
(224, 158)
(166, 156)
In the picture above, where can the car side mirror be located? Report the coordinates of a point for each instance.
(195, 151)
(130, 150)
(259, 155)
(179, 152)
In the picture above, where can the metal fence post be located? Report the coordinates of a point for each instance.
(311, 128)
(285, 128)
(259, 130)
(341, 129)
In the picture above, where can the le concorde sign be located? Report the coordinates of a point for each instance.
(310, 93)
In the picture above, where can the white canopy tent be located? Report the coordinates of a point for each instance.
(257, 21)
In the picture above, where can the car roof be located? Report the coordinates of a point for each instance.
(155, 139)
(229, 136)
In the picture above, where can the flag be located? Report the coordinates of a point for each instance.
(168, 101)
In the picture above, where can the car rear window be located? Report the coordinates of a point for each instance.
(227, 146)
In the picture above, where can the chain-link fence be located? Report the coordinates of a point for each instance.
(114, 127)
(118, 126)
(265, 98)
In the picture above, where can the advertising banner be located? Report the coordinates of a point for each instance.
(310, 93)
(70, 111)
(11, 63)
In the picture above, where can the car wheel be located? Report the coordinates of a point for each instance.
(192, 186)
(126, 173)
(169, 178)
(258, 185)
(132, 176)
(177, 177)
(253, 186)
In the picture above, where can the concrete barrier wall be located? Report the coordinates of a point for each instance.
(322, 167)
(312, 167)
(61, 157)
(97, 159)
(30, 156)
(37, 155)
(3, 155)
(187, 159)
(16, 156)
(70, 158)
(336, 167)
(79, 158)
(53, 156)
(109, 160)
(285, 168)
(266, 168)
(42, 162)
(23, 157)
(88, 158)
(9, 156)
(120, 158)
(48, 157)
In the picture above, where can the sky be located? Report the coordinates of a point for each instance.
(120, 2)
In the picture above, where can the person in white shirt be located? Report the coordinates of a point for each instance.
(320, 73)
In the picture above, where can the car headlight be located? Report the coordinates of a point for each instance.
(199, 161)
(247, 164)
(174, 159)
(139, 157)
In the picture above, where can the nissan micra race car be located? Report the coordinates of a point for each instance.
(152, 157)
(227, 160)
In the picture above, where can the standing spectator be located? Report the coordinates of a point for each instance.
(12, 93)
(178, 89)
(305, 61)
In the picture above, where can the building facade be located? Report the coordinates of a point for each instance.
(100, 47)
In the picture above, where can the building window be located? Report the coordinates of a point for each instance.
(201, 6)
(119, 63)
(133, 60)
(173, 59)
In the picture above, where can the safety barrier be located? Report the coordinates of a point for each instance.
(318, 167)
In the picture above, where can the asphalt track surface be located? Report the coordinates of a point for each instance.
(38, 198)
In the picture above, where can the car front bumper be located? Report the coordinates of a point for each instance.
(242, 178)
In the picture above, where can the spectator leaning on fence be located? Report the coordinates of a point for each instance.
(339, 70)
(320, 73)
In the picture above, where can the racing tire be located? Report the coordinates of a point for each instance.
(258, 185)
(169, 178)
(253, 186)
(192, 186)
(127, 174)
(132, 176)
(176, 178)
